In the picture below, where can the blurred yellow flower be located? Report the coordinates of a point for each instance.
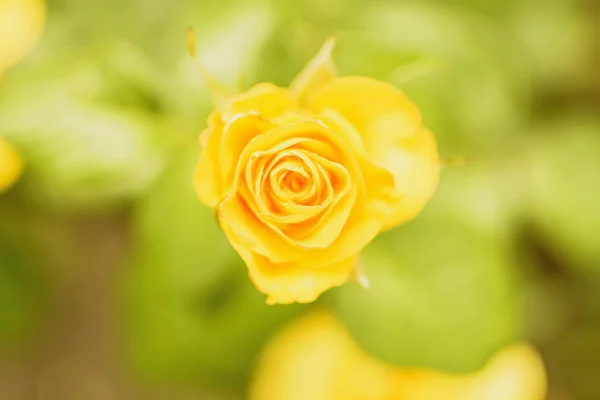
(303, 178)
(21, 23)
(11, 165)
(315, 358)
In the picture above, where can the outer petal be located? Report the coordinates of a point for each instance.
(319, 71)
(390, 126)
(380, 112)
(264, 99)
(246, 231)
(207, 176)
(238, 132)
(414, 162)
(222, 145)
(286, 283)
(289, 283)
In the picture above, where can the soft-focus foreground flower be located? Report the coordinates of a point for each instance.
(21, 23)
(315, 358)
(304, 178)
(11, 165)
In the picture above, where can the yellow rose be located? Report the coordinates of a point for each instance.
(21, 24)
(303, 178)
(11, 165)
(315, 358)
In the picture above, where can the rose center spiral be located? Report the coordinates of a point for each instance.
(295, 182)
(295, 178)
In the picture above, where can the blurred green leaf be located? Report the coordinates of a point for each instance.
(228, 48)
(81, 155)
(441, 296)
(194, 311)
(558, 37)
(86, 126)
(485, 195)
(564, 160)
(474, 92)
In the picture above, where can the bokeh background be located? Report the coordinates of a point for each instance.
(116, 282)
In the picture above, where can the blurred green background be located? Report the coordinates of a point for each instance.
(116, 282)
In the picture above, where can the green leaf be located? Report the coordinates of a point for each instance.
(485, 195)
(80, 155)
(441, 296)
(564, 160)
(85, 124)
(558, 38)
(473, 93)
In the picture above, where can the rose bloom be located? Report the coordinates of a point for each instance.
(303, 178)
(316, 358)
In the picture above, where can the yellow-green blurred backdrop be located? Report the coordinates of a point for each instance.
(116, 282)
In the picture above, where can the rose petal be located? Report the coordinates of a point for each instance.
(414, 162)
(264, 99)
(289, 283)
(380, 112)
(207, 176)
(238, 132)
(390, 125)
(336, 121)
(375, 202)
(327, 228)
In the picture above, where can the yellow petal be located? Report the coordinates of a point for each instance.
(414, 162)
(390, 127)
(246, 230)
(11, 165)
(264, 99)
(375, 202)
(319, 71)
(380, 112)
(515, 373)
(338, 123)
(303, 361)
(207, 176)
(237, 133)
(289, 283)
